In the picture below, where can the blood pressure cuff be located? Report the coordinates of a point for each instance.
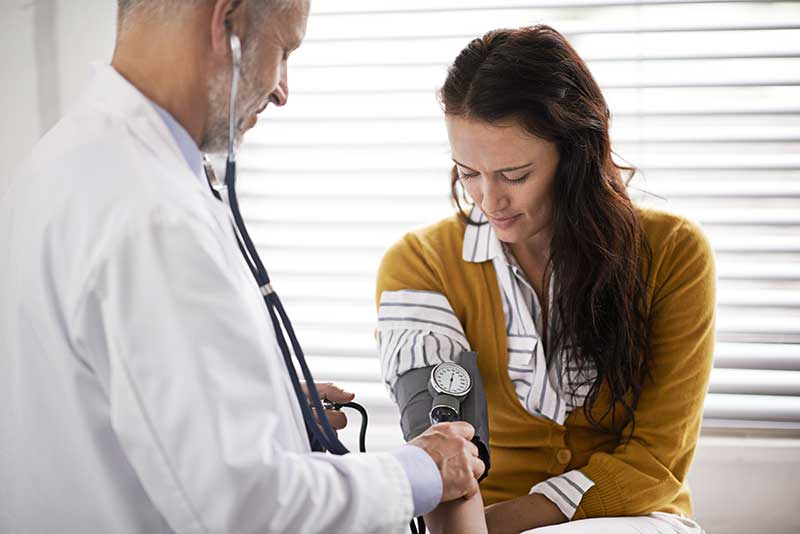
(411, 391)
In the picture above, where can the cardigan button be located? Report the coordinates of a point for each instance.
(563, 456)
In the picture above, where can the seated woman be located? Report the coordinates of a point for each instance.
(593, 318)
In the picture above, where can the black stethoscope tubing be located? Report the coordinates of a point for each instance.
(323, 438)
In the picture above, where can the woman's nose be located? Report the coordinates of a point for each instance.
(495, 198)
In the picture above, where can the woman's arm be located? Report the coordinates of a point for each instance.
(468, 516)
(462, 516)
(523, 513)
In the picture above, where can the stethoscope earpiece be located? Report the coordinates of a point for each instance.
(236, 65)
(236, 49)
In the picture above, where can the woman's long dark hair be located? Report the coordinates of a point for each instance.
(599, 251)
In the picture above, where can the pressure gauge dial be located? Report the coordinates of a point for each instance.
(449, 378)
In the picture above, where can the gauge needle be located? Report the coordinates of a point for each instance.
(450, 387)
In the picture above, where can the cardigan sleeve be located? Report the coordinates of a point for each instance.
(408, 264)
(648, 471)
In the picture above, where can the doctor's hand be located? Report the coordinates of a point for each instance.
(456, 457)
(335, 394)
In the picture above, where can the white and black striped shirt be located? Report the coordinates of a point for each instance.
(419, 329)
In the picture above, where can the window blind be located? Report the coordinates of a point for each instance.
(705, 101)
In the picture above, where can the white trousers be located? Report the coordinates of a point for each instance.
(655, 523)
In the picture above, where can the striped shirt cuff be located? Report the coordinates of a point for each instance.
(565, 491)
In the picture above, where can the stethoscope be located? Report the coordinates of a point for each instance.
(322, 437)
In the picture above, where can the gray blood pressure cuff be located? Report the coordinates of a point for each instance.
(411, 391)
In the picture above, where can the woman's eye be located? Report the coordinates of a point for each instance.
(466, 175)
(517, 179)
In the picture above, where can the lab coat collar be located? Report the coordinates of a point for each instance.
(113, 94)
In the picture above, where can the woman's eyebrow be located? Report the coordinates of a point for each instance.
(507, 169)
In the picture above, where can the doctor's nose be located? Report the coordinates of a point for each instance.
(281, 92)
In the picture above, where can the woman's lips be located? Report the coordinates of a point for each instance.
(504, 223)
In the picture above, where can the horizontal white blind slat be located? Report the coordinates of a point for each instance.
(705, 102)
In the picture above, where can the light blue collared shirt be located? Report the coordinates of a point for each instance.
(420, 469)
(187, 146)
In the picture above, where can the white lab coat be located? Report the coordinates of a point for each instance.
(141, 387)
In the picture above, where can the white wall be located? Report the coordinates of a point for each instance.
(744, 485)
(47, 47)
(19, 127)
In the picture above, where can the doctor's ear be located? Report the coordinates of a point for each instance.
(226, 19)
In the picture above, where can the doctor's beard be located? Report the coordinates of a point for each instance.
(215, 137)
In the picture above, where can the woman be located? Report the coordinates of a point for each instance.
(593, 318)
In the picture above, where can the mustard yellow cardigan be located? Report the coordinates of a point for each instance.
(648, 473)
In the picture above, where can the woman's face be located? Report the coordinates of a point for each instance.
(507, 172)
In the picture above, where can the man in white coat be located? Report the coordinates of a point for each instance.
(141, 387)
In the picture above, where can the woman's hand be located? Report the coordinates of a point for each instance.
(521, 514)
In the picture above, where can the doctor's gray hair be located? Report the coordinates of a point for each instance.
(164, 9)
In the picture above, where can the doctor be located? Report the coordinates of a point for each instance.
(141, 388)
